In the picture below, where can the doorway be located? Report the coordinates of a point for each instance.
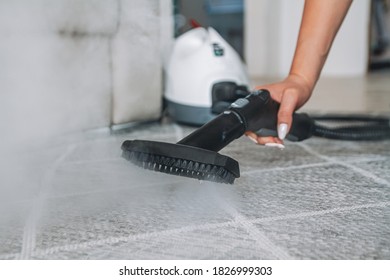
(225, 16)
(380, 35)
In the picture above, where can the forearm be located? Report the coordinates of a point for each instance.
(320, 22)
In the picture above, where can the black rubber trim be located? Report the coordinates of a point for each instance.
(183, 152)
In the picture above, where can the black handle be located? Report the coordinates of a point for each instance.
(259, 113)
(256, 112)
(217, 133)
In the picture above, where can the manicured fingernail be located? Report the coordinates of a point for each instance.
(277, 145)
(282, 131)
(253, 139)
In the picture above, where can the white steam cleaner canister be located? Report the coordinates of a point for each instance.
(200, 74)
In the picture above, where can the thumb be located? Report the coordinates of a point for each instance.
(286, 110)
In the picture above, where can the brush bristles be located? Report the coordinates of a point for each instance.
(181, 167)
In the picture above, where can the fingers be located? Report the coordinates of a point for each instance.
(291, 93)
(268, 140)
(286, 110)
(263, 140)
(252, 136)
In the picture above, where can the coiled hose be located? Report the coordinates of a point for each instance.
(356, 127)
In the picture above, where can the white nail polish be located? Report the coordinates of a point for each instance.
(282, 131)
(276, 145)
(253, 139)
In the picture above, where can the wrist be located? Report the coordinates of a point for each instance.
(304, 81)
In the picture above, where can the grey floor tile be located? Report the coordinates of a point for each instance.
(126, 212)
(266, 194)
(23, 175)
(349, 150)
(257, 157)
(381, 168)
(104, 176)
(358, 234)
(13, 228)
(225, 242)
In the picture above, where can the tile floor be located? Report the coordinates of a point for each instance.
(76, 198)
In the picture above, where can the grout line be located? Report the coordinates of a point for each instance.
(29, 233)
(130, 238)
(303, 166)
(382, 204)
(262, 241)
(260, 238)
(348, 165)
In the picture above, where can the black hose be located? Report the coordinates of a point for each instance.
(359, 127)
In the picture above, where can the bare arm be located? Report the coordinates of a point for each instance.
(321, 21)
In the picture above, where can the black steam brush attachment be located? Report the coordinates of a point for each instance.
(196, 156)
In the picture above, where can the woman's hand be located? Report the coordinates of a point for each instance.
(320, 22)
(291, 93)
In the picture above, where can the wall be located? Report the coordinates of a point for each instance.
(70, 66)
(144, 33)
(271, 29)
